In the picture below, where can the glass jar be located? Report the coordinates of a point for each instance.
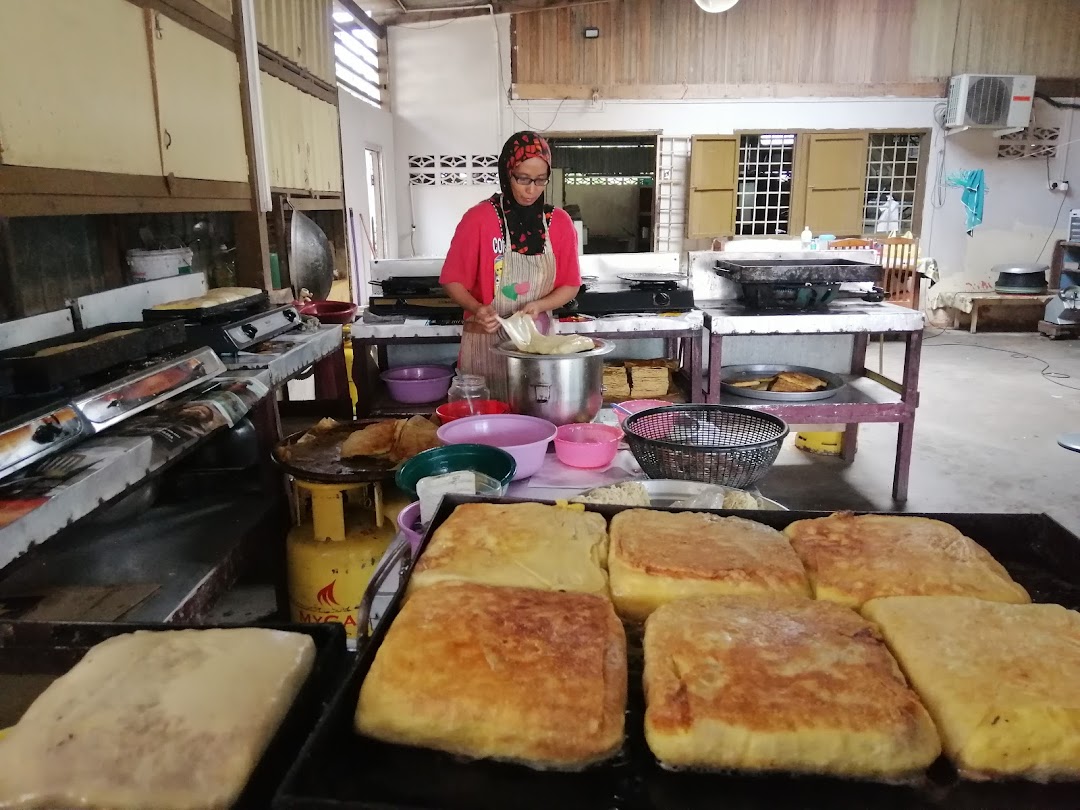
(468, 387)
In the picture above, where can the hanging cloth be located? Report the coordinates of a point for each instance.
(973, 182)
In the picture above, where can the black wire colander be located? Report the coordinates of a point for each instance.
(717, 444)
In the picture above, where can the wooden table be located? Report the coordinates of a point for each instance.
(990, 300)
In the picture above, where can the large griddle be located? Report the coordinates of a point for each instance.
(320, 460)
(216, 312)
(798, 271)
(338, 769)
(43, 651)
(30, 372)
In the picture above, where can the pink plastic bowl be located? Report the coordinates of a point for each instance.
(416, 384)
(587, 446)
(408, 521)
(526, 438)
(635, 405)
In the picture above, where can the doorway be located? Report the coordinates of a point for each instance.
(607, 182)
(376, 214)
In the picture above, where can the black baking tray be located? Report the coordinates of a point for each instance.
(798, 271)
(201, 314)
(339, 769)
(50, 649)
(30, 373)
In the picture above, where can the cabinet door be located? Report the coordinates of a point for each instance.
(202, 125)
(714, 172)
(836, 183)
(75, 87)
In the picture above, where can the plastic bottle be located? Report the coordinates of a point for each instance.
(807, 237)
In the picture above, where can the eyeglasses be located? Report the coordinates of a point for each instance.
(539, 182)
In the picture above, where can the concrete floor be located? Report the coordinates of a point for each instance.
(985, 435)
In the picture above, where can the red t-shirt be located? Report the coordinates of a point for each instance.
(478, 243)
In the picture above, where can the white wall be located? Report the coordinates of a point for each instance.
(366, 127)
(449, 97)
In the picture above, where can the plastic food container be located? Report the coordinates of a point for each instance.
(330, 311)
(632, 406)
(479, 458)
(526, 438)
(460, 409)
(587, 446)
(414, 385)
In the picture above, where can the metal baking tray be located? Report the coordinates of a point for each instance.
(728, 374)
(42, 651)
(199, 314)
(33, 373)
(663, 492)
(339, 769)
(798, 271)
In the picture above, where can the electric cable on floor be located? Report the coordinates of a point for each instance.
(1045, 372)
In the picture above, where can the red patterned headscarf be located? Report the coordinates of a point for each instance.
(525, 223)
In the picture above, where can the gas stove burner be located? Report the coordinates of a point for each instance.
(654, 285)
(237, 334)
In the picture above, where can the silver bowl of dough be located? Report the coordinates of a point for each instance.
(561, 388)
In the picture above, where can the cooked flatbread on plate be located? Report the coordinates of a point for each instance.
(377, 439)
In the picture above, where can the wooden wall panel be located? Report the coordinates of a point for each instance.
(302, 32)
(666, 49)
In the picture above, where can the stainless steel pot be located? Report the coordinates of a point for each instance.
(562, 388)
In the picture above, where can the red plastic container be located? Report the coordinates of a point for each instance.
(460, 409)
(330, 311)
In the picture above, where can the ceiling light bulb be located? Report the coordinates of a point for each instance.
(715, 6)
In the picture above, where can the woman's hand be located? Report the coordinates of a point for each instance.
(487, 318)
(534, 308)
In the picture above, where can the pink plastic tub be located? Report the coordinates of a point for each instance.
(408, 521)
(588, 445)
(526, 438)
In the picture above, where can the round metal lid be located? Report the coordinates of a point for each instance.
(1019, 268)
(1070, 441)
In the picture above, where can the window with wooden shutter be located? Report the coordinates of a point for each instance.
(835, 182)
(714, 169)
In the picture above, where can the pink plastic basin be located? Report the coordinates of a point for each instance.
(632, 406)
(526, 438)
(417, 384)
(408, 521)
(588, 445)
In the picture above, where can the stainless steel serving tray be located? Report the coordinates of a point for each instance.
(663, 492)
(734, 373)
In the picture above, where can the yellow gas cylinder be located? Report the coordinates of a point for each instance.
(331, 557)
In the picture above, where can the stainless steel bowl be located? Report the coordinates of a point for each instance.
(561, 388)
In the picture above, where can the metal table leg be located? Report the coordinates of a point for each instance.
(694, 373)
(905, 432)
(362, 377)
(715, 360)
(850, 444)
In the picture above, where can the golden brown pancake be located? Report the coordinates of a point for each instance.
(657, 557)
(374, 440)
(417, 435)
(779, 684)
(169, 719)
(516, 674)
(527, 545)
(851, 559)
(1001, 681)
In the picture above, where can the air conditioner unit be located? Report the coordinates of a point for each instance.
(989, 102)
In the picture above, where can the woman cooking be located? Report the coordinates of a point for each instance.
(510, 253)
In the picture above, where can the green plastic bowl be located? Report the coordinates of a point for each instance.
(481, 458)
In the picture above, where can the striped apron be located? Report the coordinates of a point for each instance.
(519, 280)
